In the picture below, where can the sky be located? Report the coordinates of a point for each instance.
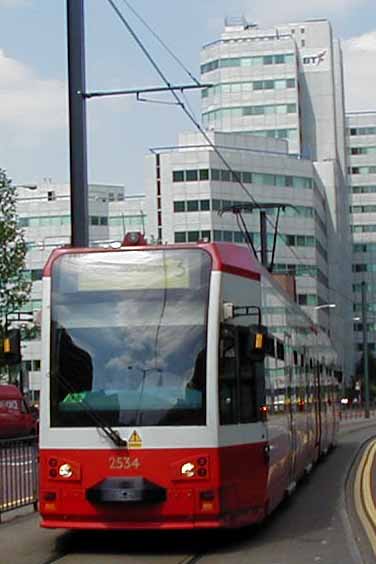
(33, 76)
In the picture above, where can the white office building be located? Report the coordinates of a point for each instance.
(44, 213)
(188, 185)
(361, 142)
(285, 84)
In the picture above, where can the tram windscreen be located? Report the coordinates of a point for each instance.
(128, 338)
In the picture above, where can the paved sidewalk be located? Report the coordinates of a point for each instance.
(22, 540)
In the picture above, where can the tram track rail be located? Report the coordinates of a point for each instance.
(60, 558)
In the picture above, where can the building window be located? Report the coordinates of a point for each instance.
(205, 205)
(191, 175)
(193, 236)
(179, 206)
(180, 237)
(236, 176)
(178, 176)
(225, 175)
(290, 240)
(204, 174)
(247, 177)
(192, 205)
(205, 235)
(215, 174)
(51, 195)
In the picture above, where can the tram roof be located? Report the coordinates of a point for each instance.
(227, 257)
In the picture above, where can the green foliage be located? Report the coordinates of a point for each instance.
(14, 289)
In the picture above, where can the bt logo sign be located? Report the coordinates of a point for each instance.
(314, 59)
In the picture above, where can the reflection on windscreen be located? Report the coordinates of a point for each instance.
(131, 356)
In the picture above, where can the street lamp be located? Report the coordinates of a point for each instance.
(365, 350)
(322, 306)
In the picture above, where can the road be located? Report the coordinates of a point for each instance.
(313, 526)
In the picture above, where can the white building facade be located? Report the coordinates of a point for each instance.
(44, 214)
(285, 84)
(188, 185)
(361, 142)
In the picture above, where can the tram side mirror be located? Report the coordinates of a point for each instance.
(258, 343)
(228, 311)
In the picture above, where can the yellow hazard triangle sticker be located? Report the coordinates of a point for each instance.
(135, 440)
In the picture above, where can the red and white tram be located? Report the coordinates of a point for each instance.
(181, 388)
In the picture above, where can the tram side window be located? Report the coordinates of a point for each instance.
(248, 380)
(241, 382)
(228, 397)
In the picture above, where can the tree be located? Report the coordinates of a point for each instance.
(14, 288)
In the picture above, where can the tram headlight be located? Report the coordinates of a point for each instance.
(65, 471)
(188, 470)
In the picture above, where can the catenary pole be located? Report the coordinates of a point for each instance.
(77, 124)
(264, 239)
(365, 351)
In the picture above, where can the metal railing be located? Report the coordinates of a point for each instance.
(18, 473)
(355, 412)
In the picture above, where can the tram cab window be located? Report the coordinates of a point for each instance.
(250, 380)
(241, 381)
(228, 397)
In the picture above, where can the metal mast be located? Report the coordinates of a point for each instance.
(77, 124)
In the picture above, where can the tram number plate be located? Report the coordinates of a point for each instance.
(124, 463)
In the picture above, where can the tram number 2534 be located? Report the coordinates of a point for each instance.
(123, 463)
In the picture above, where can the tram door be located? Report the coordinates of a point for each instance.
(241, 384)
(317, 404)
(291, 409)
(241, 393)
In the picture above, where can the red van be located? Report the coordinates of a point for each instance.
(16, 419)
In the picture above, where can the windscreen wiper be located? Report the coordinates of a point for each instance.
(111, 433)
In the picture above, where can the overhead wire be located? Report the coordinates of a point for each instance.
(181, 104)
(195, 121)
(164, 45)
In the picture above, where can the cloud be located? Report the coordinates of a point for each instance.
(275, 11)
(271, 12)
(28, 101)
(359, 70)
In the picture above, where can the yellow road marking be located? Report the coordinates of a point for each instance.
(364, 503)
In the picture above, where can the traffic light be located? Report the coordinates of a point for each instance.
(12, 347)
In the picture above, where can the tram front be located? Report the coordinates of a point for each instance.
(128, 406)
